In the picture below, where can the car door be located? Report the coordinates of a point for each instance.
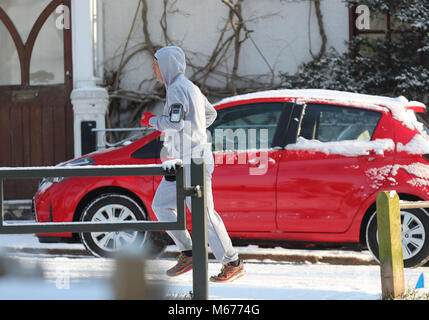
(322, 177)
(246, 162)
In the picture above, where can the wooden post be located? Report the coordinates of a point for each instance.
(390, 245)
(129, 281)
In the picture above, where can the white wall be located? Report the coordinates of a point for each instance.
(283, 36)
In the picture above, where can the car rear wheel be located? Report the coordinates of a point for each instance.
(415, 237)
(117, 207)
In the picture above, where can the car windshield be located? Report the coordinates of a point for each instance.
(122, 137)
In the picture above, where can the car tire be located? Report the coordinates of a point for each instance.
(117, 207)
(415, 237)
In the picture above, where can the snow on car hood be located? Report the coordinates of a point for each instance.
(349, 148)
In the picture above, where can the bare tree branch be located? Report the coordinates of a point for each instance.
(217, 74)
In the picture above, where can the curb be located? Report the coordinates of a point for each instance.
(293, 258)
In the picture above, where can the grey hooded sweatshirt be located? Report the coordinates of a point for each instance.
(191, 138)
(188, 138)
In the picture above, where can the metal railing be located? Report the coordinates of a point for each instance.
(104, 143)
(196, 191)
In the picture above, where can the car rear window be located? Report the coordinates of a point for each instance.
(327, 123)
(423, 118)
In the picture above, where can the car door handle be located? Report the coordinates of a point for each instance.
(256, 163)
(372, 156)
(271, 162)
(253, 163)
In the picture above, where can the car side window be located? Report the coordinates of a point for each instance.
(327, 123)
(246, 126)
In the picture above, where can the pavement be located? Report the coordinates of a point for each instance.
(315, 257)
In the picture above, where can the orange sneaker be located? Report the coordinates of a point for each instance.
(229, 273)
(184, 264)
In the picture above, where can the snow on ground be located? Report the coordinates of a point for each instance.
(21, 241)
(89, 278)
(86, 277)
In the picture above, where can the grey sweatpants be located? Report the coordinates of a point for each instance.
(165, 207)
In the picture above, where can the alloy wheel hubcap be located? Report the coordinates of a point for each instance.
(113, 241)
(413, 235)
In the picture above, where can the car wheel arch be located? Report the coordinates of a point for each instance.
(372, 208)
(158, 239)
(104, 190)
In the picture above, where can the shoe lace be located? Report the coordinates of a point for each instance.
(181, 260)
(224, 271)
(180, 257)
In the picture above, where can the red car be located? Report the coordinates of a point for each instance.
(327, 156)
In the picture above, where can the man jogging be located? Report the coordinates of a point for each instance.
(187, 113)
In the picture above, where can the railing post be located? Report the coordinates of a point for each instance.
(199, 231)
(390, 245)
(181, 196)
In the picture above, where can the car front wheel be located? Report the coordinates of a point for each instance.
(116, 208)
(415, 237)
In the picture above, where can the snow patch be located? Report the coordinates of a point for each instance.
(406, 117)
(171, 164)
(378, 175)
(417, 169)
(91, 278)
(392, 181)
(419, 144)
(418, 182)
(347, 148)
(323, 94)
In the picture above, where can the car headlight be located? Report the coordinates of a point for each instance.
(80, 162)
(74, 163)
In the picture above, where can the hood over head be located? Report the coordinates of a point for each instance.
(172, 63)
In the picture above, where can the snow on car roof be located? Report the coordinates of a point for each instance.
(324, 94)
(400, 106)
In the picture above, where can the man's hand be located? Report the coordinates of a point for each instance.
(145, 119)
